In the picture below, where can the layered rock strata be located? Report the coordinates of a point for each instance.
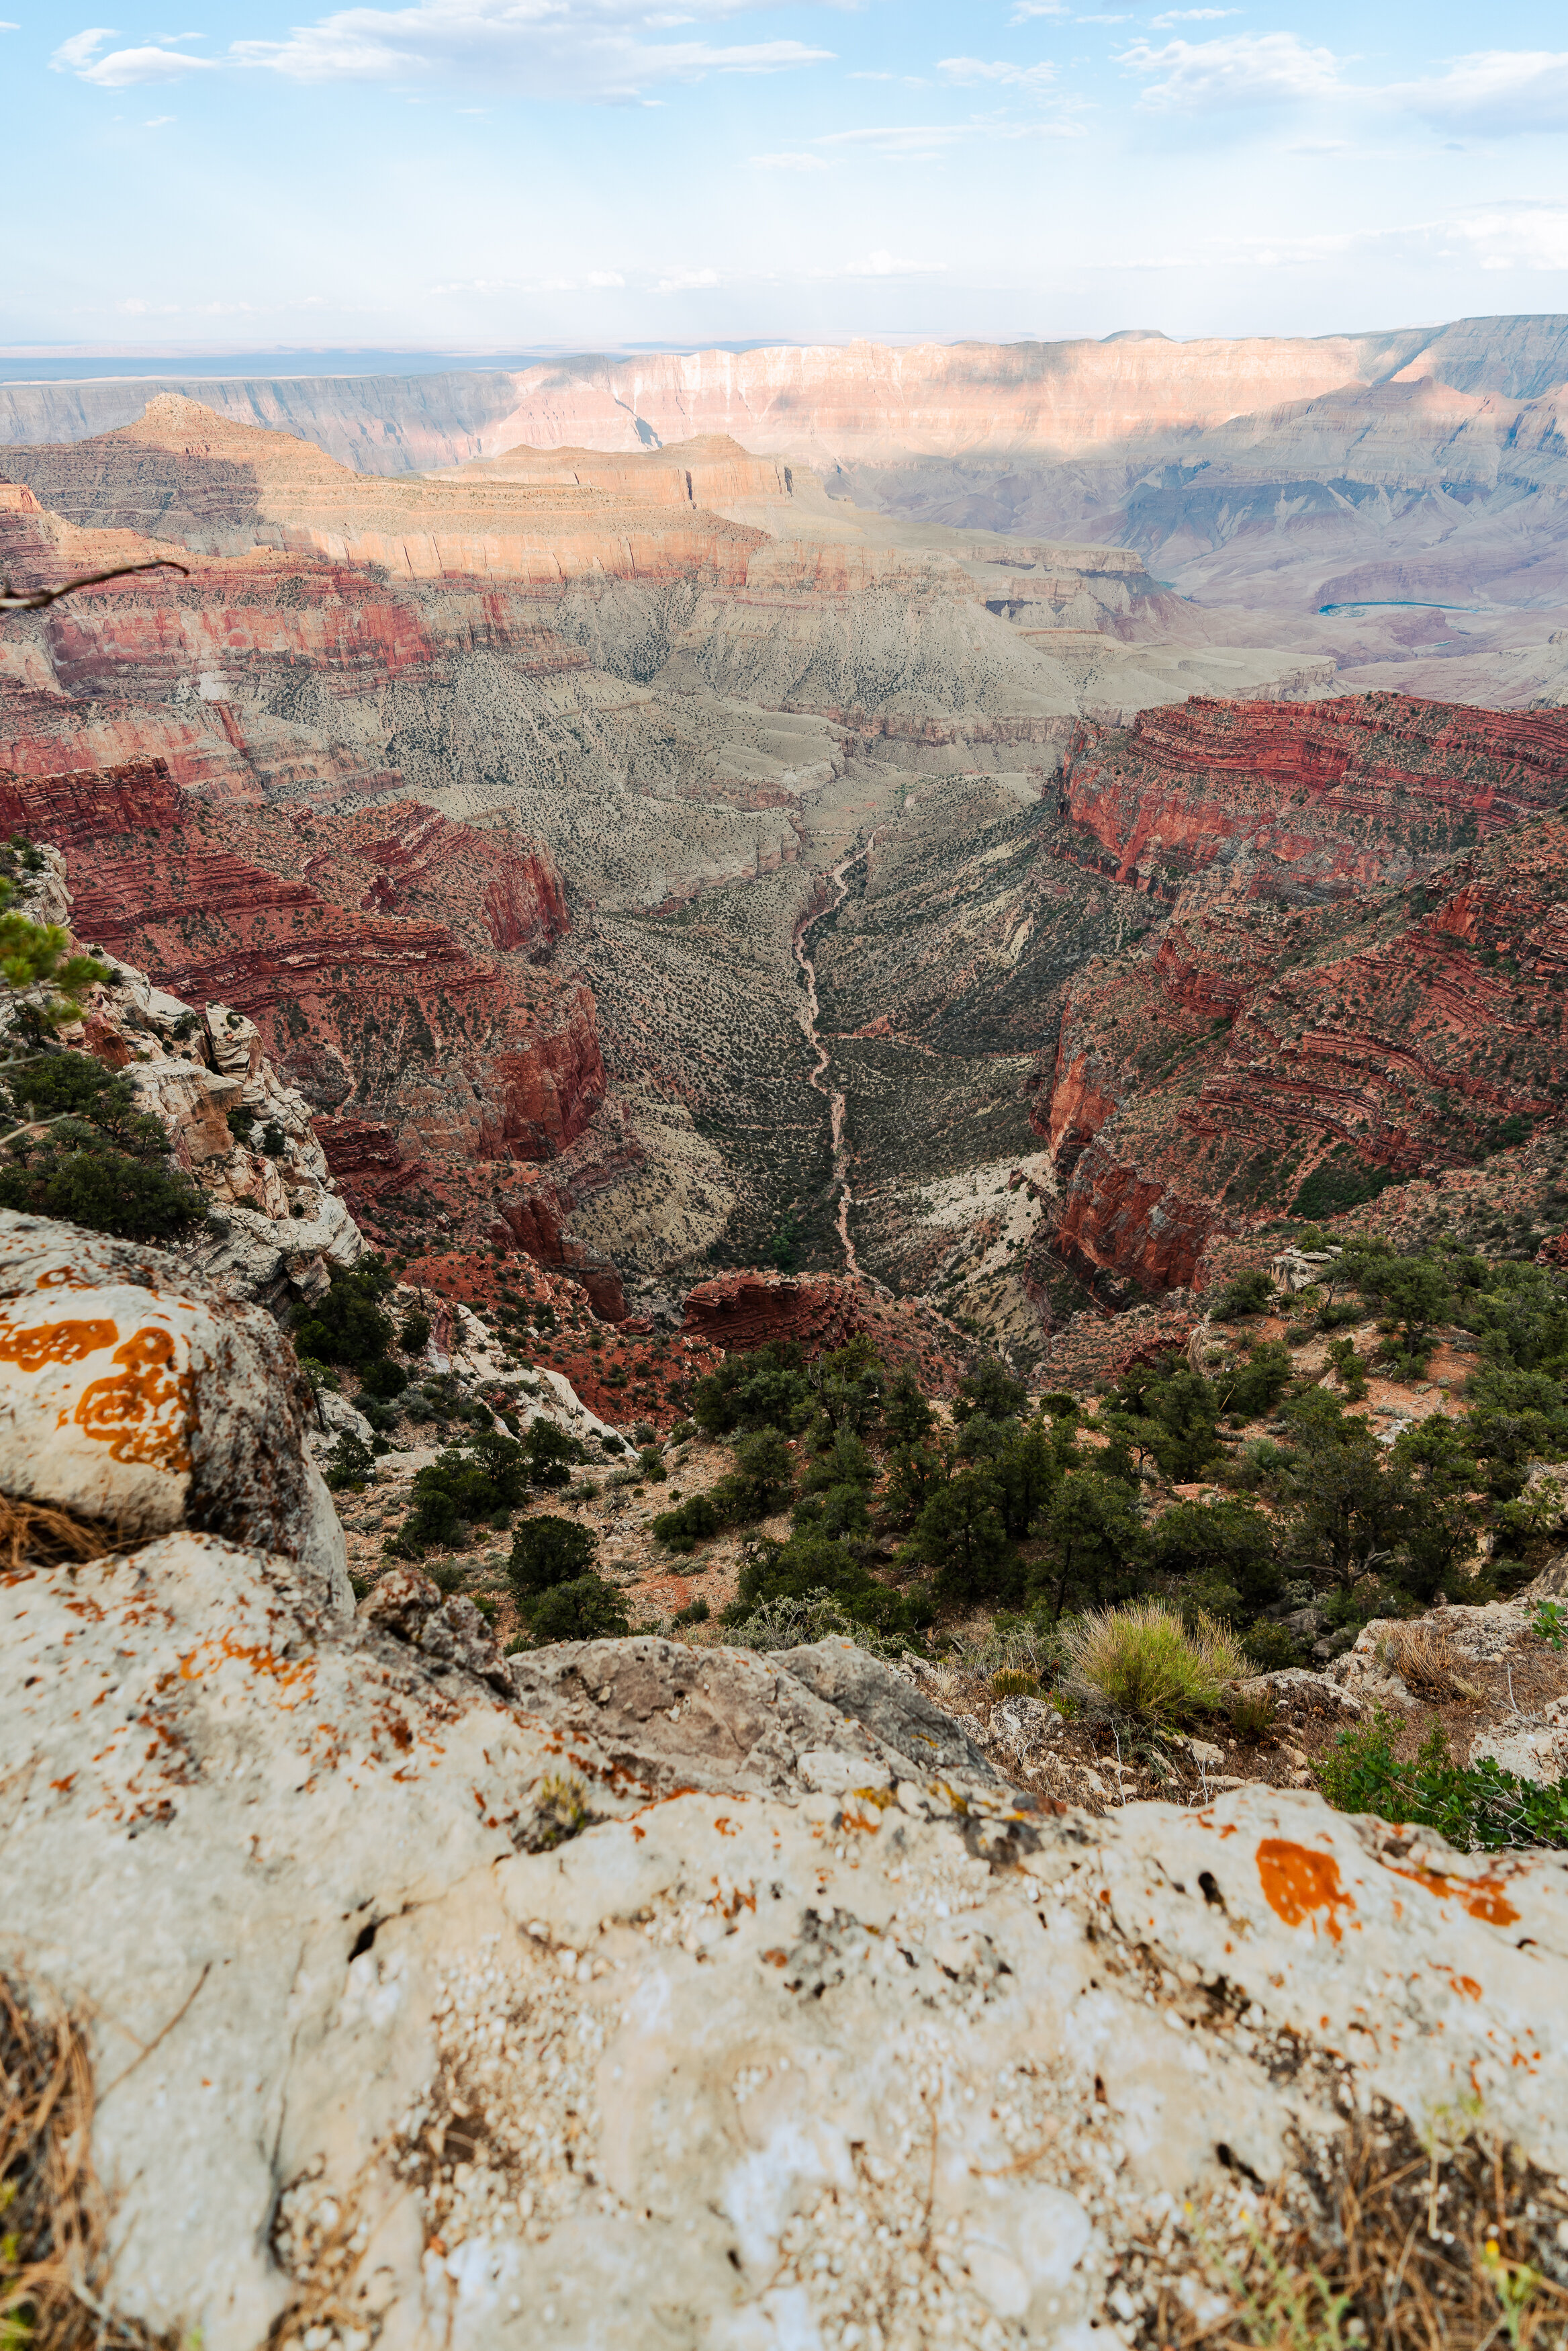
(1364, 979)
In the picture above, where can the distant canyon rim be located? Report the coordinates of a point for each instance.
(705, 811)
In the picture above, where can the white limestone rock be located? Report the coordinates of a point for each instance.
(131, 1394)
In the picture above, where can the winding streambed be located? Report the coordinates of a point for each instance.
(831, 1095)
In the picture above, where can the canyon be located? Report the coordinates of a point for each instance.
(694, 836)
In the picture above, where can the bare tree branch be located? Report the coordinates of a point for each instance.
(40, 596)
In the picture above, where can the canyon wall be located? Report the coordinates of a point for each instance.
(835, 401)
(1358, 979)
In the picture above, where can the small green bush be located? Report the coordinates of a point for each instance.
(348, 1324)
(1473, 1805)
(650, 1464)
(546, 1551)
(383, 1379)
(587, 1609)
(689, 1523)
(348, 1464)
(1251, 1293)
(413, 1336)
(1149, 1665)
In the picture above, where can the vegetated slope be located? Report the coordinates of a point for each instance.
(1360, 978)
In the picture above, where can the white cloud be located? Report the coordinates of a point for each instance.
(72, 55)
(965, 71)
(1028, 9)
(687, 281)
(915, 143)
(129, 69)
(1188, 16)
(1241, 70)
(593, 49)
(6, 25)
(156, 122)
(1516, 235)
(788, 162)
(123, 68)
(1494, 92)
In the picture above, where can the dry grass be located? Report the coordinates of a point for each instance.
(1426, 1661)
(52, 2216)
(1149, 1665)
(37, 1534)
(1387, 2245)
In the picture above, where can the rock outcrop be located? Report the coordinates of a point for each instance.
(439, 1046)
(737, 1311)
(131, 1395)
(1363, 982)
(279, 1223)
(416, 2002)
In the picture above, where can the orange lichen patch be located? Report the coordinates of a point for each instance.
(1297, 1881)
(1465, 1984)
(208, 1656)
(129, 1412)
(37, 1344)
(1483, 1897)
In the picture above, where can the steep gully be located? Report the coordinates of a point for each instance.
(810, 1012)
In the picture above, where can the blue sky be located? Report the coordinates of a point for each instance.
(512, 173)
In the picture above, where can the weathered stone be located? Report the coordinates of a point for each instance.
(132, 1393)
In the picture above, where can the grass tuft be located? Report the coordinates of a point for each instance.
(1150, 1665)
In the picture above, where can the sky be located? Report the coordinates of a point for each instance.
(480, 175)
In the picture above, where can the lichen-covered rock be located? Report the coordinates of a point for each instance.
(131, 1394)
(409, 2012)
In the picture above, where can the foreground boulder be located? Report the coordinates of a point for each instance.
(136, 1395)
(423, 2005)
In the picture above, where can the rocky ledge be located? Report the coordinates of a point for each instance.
(618, 1994)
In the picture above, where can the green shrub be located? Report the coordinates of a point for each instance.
(490, 1475)
(792, 1620)
(1271, 1647)
(906, 1415)
(1149, 1665)
(764, 1388)
(587, 1609)
(689, 1523)
(383, 1379)
(696, 1612)
(552, 1453)
(1473, 1805)
(960, 1532)
(72, 1176)
(546, 1551)
(762, 1476)
(349, 1463)
(650, 1464)
(1258, 1381)
(991, 1389)
(815, 1565)
(348, 1324)
(413, 1336)
(1250, 1292)
(100, 1162)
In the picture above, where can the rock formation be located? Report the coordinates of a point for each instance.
(418, 2003)
(1359, 971)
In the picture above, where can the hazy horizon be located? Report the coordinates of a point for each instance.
(575, 175)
